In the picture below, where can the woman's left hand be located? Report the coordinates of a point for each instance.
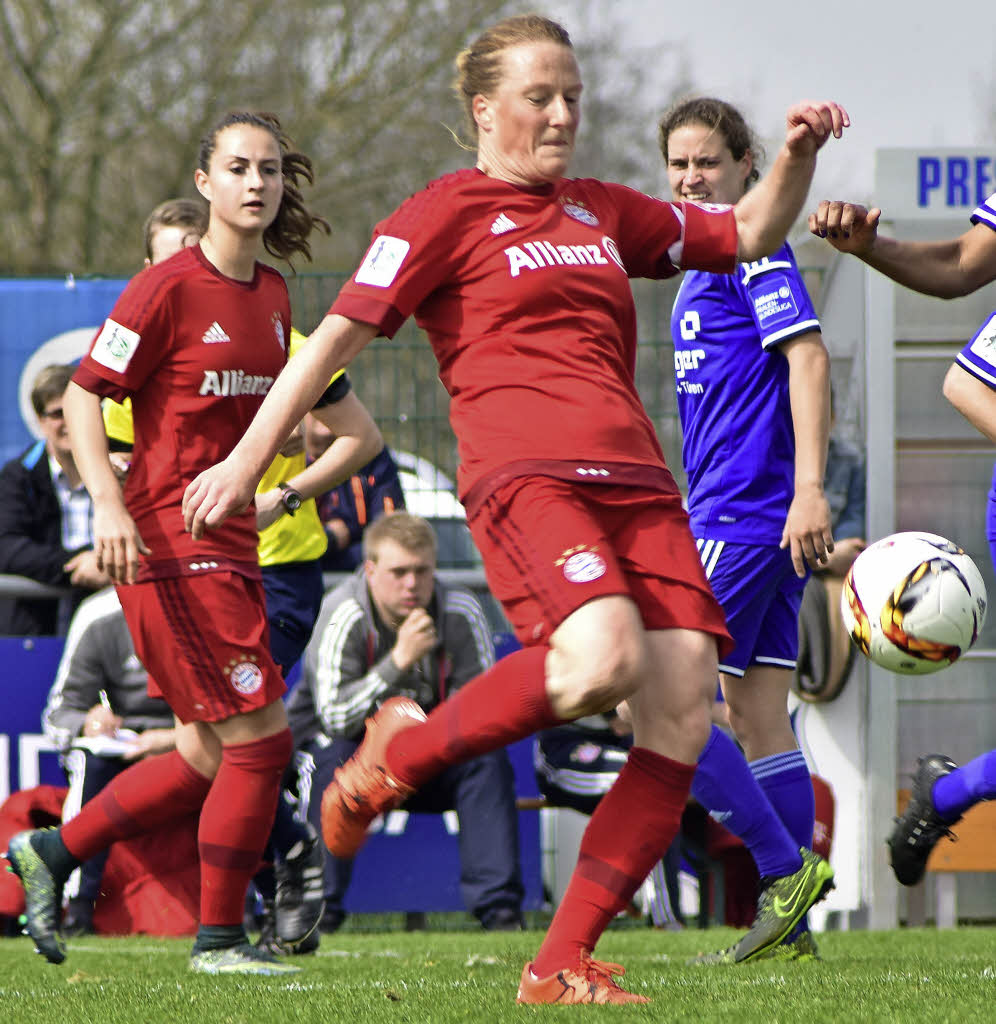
(807, 531)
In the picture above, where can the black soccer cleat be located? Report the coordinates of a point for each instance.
(42, 896)
(300, 898)
(920, 827)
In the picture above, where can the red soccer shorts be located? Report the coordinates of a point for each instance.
(204, 641)
(550, 546)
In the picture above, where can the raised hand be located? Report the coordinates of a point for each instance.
(809, 124)
(848, 227)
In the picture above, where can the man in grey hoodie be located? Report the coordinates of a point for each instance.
(394, 629)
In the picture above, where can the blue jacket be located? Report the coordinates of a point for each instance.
(31, 545)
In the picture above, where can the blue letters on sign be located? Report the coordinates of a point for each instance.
(960, 182)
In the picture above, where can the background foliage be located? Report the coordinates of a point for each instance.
(102, 103)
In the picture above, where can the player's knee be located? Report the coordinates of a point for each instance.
(599, 679)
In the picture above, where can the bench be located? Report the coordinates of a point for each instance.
(708, 872)
(973, 850)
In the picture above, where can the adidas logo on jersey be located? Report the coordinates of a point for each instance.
(503, 223)
(215, 335)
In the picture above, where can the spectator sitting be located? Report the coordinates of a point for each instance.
(347, 510)
(101, 718)
(395, 629)
(46, 519)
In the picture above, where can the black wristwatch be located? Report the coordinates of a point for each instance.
(289, 498)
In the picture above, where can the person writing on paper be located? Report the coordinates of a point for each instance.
(100, 718)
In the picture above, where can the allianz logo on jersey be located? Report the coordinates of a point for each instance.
(231, 383)
(539, 254)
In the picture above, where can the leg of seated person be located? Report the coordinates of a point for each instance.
(317, 762)
(87, 774)
(482, 791)
(149, 793)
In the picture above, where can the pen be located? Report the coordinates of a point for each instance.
(104, 701)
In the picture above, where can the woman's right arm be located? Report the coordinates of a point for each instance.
(115, 538)
(947, 269)
(227, 488)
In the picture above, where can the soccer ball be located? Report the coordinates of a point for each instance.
(913, 602)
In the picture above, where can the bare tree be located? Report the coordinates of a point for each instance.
(102, 101)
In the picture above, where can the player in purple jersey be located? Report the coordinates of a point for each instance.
(753, 384)
(942, 791)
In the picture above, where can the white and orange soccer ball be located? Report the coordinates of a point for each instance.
(913, 602)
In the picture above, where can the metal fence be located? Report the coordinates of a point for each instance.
(397, 380)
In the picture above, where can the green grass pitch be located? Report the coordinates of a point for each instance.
(393, 977)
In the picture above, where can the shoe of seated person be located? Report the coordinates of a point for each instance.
(502, 919)
(241, 959)
(270, 942)
(268, 929)
(919, 828)
(332, 920)
(362, 788)
(42, 896)
(78, 919)
(300, 900)
(592, 981)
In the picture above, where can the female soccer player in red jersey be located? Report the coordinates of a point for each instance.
(196, 342)
(519, 276)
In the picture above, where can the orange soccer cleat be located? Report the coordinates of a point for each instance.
(361, 788)
(592, 982)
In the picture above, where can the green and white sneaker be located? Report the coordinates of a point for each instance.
(801, 949)
(42, 897)
(241, 959)
(781, 905)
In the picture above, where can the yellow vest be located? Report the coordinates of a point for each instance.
(297, 538)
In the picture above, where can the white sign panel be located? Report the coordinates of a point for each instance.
(937, 184)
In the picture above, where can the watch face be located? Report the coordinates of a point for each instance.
(292, 500)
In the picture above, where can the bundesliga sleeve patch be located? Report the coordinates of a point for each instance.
(115, 345)
(382, 262)
(774, 302)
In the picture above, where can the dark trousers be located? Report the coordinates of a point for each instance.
(294, 594)
(87, 775)
(481, 791)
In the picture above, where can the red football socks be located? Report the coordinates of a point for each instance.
(236, 822)
(498, 707)
(629, 832)
(152, 792)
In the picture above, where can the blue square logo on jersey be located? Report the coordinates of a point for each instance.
(774, 301)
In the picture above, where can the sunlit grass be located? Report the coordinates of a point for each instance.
(919, 976)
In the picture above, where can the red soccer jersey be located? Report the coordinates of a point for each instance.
(524, 294)
(197, 352)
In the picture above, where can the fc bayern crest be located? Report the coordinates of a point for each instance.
(580, 213)
(584, 567)
(246, 677)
